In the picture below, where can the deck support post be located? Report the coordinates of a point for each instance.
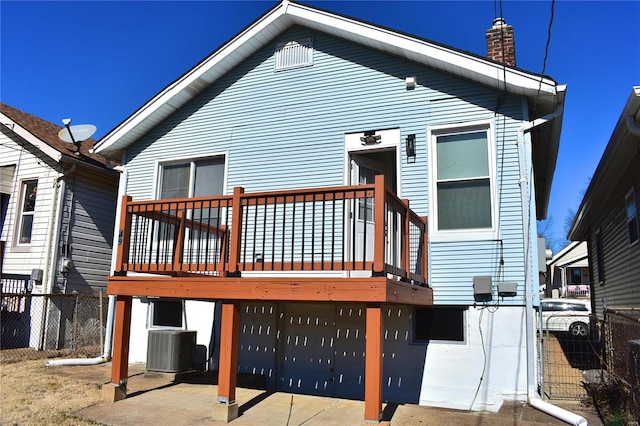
(226, 408)
(373, 364)
(117, 389)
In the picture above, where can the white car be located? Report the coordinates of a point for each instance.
(569, 315)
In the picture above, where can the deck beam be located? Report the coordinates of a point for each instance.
(365, 289)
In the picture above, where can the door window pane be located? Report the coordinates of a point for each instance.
(365, 207)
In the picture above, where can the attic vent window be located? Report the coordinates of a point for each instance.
(295, 53)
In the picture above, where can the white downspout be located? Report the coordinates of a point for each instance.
(108, 341)
(534, 400)
(524, 193)
(557, 412)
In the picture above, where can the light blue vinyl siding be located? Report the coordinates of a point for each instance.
(285, 129)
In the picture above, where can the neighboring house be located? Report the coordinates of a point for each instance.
(264, 216)
(608, 215)
(58, 209)
(568, 272)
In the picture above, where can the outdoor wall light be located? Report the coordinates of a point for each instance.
(411, 147)
(370, 138)
(410, 83)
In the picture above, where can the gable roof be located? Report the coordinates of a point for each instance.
(285, 14)
(43, 135)
(621, 150)
(543, 92)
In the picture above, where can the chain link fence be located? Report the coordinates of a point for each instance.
(46, 325)
(571, 355)
(622, 356)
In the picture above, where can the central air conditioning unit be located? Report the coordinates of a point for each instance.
(171, 351)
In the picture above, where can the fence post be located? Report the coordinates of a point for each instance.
(236, 232)
(379, 239)
(124, 234)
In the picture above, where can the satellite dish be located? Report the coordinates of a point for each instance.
(78, 133)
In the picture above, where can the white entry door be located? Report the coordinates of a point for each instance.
(363, 172)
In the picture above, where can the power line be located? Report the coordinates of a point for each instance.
(546, 54)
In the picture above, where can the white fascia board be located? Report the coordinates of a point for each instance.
(44, 147)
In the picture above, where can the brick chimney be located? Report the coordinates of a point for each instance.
(499, 37)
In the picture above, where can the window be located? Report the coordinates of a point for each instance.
(192, 178)
(167, 313)
(575, 275)
(27, 210)
(462, 180)
(443, 324)
(366, 176)
(599, 257)
(295, 53)
(631, 209)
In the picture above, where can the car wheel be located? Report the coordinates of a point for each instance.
(579, 329)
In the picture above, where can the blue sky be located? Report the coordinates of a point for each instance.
(98, 61)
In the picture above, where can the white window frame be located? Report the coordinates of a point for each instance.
(435, 131)
(159, 167)
(151, 312)
(632, 195)
(21, 213)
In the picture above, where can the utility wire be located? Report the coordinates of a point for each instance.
(546, 53)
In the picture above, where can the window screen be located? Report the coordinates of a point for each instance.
(463, 181)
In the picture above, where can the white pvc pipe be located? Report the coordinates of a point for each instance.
(106, 354)
(108, 338)
(557, 412)
(76, 361)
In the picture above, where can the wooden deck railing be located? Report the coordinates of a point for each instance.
(348, 228)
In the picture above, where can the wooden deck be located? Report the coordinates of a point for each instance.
(326, 245)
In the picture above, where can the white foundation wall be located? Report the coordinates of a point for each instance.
(466, 376)
(199, 318)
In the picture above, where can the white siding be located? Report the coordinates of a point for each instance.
(22, 259)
